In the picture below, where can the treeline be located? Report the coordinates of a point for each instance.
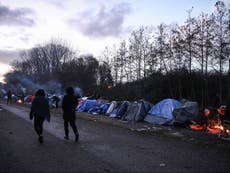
(190, 61)
(56, 63)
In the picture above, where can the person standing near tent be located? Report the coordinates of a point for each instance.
(69, 112)
(9, 97)
(40, 111)
(56, 100)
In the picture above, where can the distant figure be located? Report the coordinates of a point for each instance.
(40, 111)
(56, 100)
(69, 112)
(9, 97)
(23, 97)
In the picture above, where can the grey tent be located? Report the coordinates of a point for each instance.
(147, 105)
(186, 112)
(112, 106)
(136, 111)
(120, 110)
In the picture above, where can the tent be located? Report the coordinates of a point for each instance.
(137, 111)
(186, 112)
(87, 105)
(162, 112)
(99, 109)
(80, 100)
(112, 106)
(102, 101)
(147, 105)
(120, 110)
(104, 108)
(29, 98)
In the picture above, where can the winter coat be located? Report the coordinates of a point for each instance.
(69, 107)
(40, 107)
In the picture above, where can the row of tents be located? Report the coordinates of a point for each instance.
(165, 112)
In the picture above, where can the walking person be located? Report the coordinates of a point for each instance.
(9, 97)
(40, 111)
(69, 113)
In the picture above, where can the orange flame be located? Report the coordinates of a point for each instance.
(19, 101)
(198, 127)
(213, 126)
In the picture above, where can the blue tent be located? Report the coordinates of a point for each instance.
(87, 105)
(99, 109)
(104, 108)
(114, 113)
(162, 112)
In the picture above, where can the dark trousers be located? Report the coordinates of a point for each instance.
(56, 104)
(9, 100)
(72, 124)
(38, 122)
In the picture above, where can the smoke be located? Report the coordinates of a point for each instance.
(53, 87)
(23, 90)
(3, 91)
(24, 84)
(78, 91)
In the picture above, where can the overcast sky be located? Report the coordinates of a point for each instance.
(87, 25)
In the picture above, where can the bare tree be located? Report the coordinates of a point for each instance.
(220, 40)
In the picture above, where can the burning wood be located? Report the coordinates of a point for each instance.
(216, 124)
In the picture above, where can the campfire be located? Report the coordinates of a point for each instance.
(217, 124)
(19, 101)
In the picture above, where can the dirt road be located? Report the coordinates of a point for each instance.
(101, 148)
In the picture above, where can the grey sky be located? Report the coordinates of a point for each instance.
(105, 22)
(7, 56)
(15, 16)
(87, 25)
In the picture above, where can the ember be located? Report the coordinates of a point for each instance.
(198, 127)
(215, 124)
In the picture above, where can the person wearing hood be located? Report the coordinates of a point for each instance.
(40, 111)
(69, 113)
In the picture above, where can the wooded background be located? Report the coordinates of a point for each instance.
(190, 61)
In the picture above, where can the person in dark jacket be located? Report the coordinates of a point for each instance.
(69, 113)
(40, 111)
(9, 97)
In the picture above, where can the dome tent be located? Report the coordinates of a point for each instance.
(137, 111)
(162, 112)
(87, 105)
(120, 110)
(185, 113)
